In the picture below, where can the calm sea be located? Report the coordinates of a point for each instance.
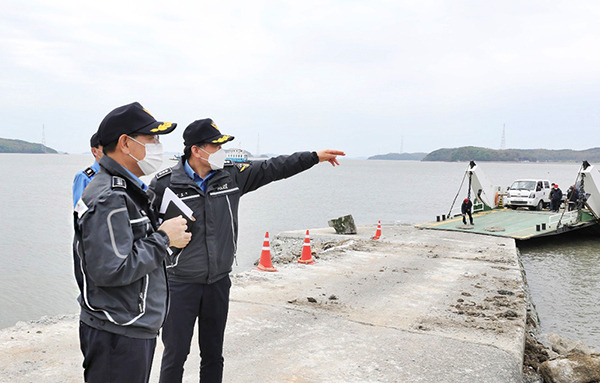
(36, 277)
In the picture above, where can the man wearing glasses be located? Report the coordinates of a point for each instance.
(119, 251)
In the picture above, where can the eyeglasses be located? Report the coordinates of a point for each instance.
(155, 140)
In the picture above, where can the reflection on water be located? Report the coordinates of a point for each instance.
(564, 278)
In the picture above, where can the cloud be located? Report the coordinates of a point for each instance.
(305, 74)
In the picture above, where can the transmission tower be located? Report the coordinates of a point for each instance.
(43, 139)
(258, 144)
(503, 142)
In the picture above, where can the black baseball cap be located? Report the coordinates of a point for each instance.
(204, 131)
(94, 141)
(128, 119)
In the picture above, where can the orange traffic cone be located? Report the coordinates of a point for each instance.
(265, 256)
(377, 235)
(306, 257)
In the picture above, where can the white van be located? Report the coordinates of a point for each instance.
(531, 193)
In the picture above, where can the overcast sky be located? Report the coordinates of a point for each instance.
(367, 76)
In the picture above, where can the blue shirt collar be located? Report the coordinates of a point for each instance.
(136, 179)
(192, 174)
(195, 177)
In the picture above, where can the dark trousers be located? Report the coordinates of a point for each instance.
(208, 303)
(465, 217)
(113, 358)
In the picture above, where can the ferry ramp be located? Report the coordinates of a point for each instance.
(517, 224)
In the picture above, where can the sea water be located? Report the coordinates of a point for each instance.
(36, 276)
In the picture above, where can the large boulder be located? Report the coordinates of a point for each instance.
(565, 346)
(576, 368)
(343, 225)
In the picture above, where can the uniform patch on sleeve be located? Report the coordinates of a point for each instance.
(80, 208)
(118, 182)
(163, 173)
(89, 172)
(242, 167)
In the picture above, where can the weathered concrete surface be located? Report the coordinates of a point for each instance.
(419, 306)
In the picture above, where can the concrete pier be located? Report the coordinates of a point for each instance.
(417, 306)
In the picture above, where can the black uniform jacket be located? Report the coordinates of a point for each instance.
(119, 256)
(210, 254)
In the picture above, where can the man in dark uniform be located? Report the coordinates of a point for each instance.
(572, 195)
(199, 275)
(555, 198)
(119, 252)
(465, 209)
(84, 177)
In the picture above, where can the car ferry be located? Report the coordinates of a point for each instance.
(492, 217)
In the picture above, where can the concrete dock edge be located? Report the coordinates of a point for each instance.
(417, 306)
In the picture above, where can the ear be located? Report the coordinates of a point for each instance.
(123, 144)
(195, 151)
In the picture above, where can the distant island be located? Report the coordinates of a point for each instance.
(468, 153)
(20, 146)
(399, 156)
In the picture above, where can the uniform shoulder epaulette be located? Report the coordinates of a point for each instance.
(228, 163)
(89, 172)
(118, 182)
(242, 166)
(163, 173)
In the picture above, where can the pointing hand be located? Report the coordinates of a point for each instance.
(330, 156)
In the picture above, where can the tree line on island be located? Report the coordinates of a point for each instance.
(468, 153)
(20, 146)
(465, 153)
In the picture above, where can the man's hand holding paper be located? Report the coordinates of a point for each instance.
(177, 216)
(172, 206)
(176, 231)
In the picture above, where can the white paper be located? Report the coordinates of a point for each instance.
(170, 196)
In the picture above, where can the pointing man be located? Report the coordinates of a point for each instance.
(199, 275)
(119, 251)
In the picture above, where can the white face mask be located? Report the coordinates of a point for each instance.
(216, 160)
(153, 158)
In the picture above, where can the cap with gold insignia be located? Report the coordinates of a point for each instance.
(128, 119)
(204, 131)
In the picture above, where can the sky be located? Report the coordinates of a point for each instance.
(367, 77)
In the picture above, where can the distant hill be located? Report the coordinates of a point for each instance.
(19, 146)
(467, 153)
(399, 156)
